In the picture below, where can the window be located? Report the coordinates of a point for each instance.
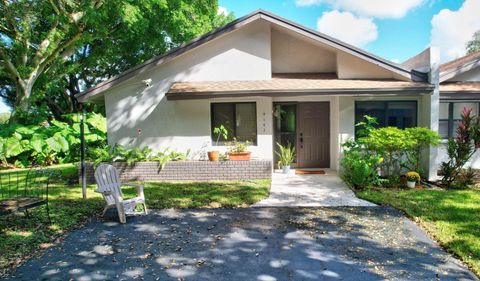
(401, 114)
(449, 116)
(240, 119)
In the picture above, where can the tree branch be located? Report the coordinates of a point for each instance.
(7, 63)
(45, 43)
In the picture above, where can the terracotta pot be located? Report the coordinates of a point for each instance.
(240, 156)
(213, 155)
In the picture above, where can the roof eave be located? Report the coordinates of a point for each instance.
(289, 92)
(449, 74)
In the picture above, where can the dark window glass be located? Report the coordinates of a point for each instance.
(285, 123)
(239, 118)
(401, 114)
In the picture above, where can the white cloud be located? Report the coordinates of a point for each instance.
(369, 8)
(222, 11)
(395, 60)
(347, 27)
(451, 30)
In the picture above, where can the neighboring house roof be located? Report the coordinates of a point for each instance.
(460, 90)
(460, 87)
(284, 84)
(236, 24)
(458, 66)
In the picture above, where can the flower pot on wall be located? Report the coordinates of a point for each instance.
(411, 184)
(240, 156)
(213, 155)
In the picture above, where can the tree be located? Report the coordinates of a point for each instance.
(92, 41)
(36, 33)
(474, 44)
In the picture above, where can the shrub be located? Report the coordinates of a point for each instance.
(461, 148)
(50, 142)
(359, 166)
(120, 153)
(387, 149)
(421, 138)
(391, 143)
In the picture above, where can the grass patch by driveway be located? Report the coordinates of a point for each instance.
(21, 237)
(451, 216)
(204, 194)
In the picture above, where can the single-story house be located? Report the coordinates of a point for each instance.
(270, 80)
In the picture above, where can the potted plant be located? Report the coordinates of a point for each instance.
(286, 156)
(238, 151)
(412, 179)
(220, 131)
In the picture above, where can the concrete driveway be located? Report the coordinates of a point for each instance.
(310, 191)
(336, 243)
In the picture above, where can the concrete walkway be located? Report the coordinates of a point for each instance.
(310, 191)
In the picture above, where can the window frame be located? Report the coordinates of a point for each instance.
(385, 109)
(212, 126)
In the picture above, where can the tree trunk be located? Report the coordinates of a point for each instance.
(22, 100)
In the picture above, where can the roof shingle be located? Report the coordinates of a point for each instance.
(460, 62)
(460, 87)
(301, 82)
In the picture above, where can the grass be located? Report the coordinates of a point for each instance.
(20, 237)
(451, 216)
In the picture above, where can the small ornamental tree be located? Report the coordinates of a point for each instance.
(461, 148)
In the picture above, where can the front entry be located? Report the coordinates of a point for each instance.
(307, 127)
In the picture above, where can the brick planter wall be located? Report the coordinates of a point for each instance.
(190, 171)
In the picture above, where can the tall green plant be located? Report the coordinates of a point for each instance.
(286, 155)
(461, 148)
(220, 131)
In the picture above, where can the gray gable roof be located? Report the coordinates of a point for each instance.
(236, 24)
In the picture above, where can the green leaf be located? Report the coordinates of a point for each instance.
(13, 147)
(37, 142)
(57, 143)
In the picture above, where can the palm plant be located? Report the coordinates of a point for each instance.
(286, 155)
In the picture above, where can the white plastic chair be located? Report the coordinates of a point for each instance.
(109, 185)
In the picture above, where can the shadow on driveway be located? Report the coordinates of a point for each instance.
(341, 243)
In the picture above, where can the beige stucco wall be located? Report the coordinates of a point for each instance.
(292, 53)
(349, 67)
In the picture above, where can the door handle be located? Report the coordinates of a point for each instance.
(301, 139)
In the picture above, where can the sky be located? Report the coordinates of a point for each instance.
(393, 29)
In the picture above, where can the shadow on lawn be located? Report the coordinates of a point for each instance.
(369, 243)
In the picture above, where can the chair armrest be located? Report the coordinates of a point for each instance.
(133, 184)
(103, 192)
(139, 188)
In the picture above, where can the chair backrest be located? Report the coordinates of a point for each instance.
(108, 180)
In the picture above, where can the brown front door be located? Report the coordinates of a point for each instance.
(313, 135)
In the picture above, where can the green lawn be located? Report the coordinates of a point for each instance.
(451, 216)
(20, 236)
